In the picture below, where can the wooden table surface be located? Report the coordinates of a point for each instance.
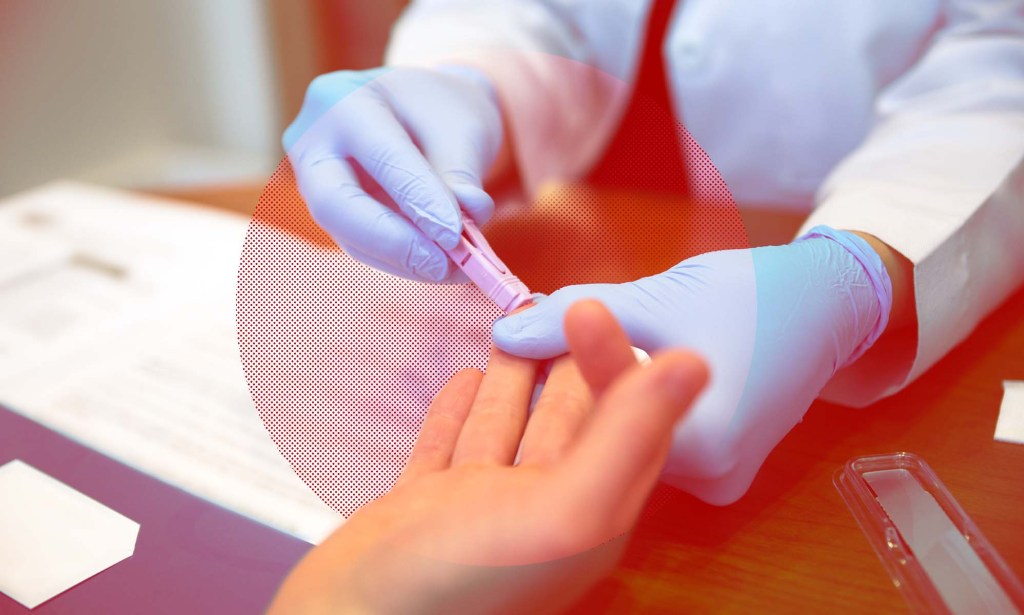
(790, 545)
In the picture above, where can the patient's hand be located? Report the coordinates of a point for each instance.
(465, 530)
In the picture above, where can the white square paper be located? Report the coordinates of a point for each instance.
(1010, 425)
(52, 537)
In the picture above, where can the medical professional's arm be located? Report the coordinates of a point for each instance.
(465, 531)
(901, 273)
(940, 181)
(561, 69)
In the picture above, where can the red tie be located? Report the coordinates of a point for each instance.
(645, 153)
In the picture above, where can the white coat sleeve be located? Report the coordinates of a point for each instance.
(561, 69)
(940, 178)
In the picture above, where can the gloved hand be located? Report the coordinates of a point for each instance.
(385, 158)
(774, 324)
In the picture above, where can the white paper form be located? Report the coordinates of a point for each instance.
(52, 537)
(123, 338)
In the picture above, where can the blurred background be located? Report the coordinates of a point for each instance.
(152, 94)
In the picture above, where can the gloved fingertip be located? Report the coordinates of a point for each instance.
(525, 335)
(506, 328)
(442, 224)
(475, 201)
(466, 190)
(437, 269)
(507, 333)
(447, 237)
(427, 262)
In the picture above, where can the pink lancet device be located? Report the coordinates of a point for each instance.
(479, 262)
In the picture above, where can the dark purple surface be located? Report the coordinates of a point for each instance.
(191, 556)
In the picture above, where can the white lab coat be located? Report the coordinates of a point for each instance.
(899, 118)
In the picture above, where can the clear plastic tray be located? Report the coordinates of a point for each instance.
(934, 553)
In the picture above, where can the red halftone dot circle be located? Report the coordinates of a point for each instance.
(342, 360)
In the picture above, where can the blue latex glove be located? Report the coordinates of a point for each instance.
(386, 158)
(773, 323)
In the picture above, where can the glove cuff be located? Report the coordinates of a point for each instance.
(876, 272)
